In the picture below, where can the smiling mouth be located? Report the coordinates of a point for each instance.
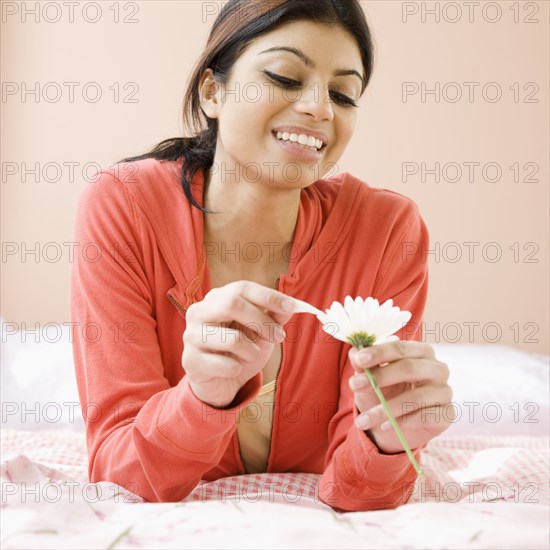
(295, 143)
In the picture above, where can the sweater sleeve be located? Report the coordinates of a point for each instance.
(357, 476)
(154, 439)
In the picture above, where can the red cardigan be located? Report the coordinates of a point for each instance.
(141, 264)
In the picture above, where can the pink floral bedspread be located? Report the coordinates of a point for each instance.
(479, 492)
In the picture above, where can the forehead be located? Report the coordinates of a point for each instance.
(325, 45)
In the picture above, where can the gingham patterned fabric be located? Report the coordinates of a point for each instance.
(479, 492)
(472, 469)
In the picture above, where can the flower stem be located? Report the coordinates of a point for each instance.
(382, 399)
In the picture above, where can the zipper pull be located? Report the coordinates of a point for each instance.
(178, 306)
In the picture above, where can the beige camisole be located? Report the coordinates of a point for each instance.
(254, 429)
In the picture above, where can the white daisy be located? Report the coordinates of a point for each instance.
(364, 323)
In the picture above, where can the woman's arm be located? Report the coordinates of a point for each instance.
(143, 434)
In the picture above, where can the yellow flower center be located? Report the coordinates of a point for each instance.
(361, 340)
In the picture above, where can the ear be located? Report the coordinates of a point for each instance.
(209, 94)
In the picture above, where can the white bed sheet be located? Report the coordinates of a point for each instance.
(493, 492)
(490, 476)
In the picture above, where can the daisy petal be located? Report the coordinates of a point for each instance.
(385, 340)
(338, 314)
(389, 322)
(323, 317)
(303, 307)
(364, 316)
(330, 329)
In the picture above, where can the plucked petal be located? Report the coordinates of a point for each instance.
(303, 307)
(323, 317)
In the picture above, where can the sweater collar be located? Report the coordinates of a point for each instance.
(324, 219)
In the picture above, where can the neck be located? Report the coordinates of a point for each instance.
(254, 223)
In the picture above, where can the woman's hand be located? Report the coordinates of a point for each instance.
(230, 336)
(414, 384)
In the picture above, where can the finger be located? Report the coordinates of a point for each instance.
(364, 394)
(224, 306)
(275, 304)
(404, 370)
(388, 353)
(435, 419)
(358, 382)
(247, 331)
(215, 365)
(218, 339)
(406, 403)
(365, 399)
(277, 317)
(265, 297)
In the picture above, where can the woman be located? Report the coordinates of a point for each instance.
(198, 247)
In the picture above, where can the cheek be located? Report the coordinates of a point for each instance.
(247, 119)
(345, 131)
(348, 125)
(239, 132)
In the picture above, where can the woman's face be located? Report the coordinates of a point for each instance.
(253, 106)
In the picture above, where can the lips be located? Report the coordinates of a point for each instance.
(298, 152)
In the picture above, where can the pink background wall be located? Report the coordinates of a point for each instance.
(490, 153)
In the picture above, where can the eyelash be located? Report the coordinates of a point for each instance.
(287, 83)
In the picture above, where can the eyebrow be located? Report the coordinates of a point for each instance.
(309, 63)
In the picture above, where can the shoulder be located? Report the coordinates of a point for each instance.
(145, 182)
(138, 176)
(371, 203)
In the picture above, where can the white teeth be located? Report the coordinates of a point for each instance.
(302, 139)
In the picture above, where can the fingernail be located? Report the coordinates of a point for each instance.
(364, 357)
(362, 422)
(386, 425)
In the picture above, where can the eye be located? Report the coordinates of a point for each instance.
(344, 100)
(290, 84)
(281, 80)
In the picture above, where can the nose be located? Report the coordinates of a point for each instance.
(315, 101)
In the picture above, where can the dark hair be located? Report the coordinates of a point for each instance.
(238, 23)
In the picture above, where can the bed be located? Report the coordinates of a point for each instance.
(486, 485)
